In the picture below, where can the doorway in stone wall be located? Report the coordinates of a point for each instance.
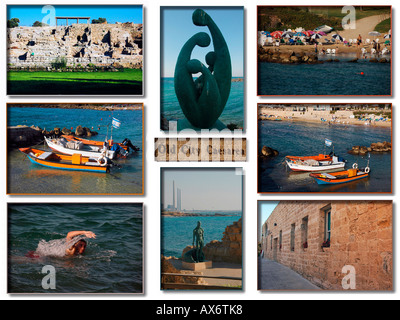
(275, 250)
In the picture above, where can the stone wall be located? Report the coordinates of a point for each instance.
(229, 249)
(361, 236)
(81, 44)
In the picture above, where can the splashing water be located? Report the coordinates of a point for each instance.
(55, 248)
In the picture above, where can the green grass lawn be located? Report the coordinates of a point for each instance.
(127, 82)
(361, 11)
(384, 26)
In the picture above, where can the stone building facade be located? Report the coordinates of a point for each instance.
(326, 241)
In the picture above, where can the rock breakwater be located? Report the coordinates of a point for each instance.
(275, 55)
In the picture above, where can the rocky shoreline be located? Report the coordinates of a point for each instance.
(286, 56)
(24, 136)
(91, 106)
(374, 147)
(195, 214)
(267, 153)
(294, 56)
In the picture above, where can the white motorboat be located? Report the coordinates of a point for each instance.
(73, 147)
(315, 165)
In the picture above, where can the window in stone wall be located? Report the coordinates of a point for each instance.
(292, 231)
(327, 227)
(304, 232)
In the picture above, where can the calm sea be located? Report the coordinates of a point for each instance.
(25, 177)
(177, 232)
(329, 78)
(301, 139)
(112, 263)
(233, 112)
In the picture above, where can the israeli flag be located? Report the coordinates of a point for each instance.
(116, 123)
(328, 142)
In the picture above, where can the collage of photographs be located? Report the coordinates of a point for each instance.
(229, 151)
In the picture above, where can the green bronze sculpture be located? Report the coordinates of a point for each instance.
(196, 254)
(203, 100)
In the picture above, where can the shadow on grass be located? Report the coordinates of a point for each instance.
(74, 86)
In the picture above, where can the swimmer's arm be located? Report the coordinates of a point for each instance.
(74, 234)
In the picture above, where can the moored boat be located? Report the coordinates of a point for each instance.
(66, 162)
(78, 147)
(126, 144)
(320, 162)
(339, 177)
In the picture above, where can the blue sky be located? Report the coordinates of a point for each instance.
(177, 27)
(204, 188)
(265, 210)
(28, 14)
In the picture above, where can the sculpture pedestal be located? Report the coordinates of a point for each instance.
(197, 266)
(185, 124)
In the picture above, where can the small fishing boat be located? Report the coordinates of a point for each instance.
(64, 146)
(341, 176)
(126, 144)
(67, 162)
(320, 162)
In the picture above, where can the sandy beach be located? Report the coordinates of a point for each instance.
(341, 117)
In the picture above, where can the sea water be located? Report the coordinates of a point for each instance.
(26, 177)
(328, 78)
(303, 139)
(177, 232)
(112, 263)
(233, 112)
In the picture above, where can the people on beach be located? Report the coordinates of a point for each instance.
(359, 40)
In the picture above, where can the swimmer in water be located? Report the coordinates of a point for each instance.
(79, 246)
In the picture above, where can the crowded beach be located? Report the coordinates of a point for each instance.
(369, 115)
(323, 43)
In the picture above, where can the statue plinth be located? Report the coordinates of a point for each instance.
(185, 124)
(196, 266)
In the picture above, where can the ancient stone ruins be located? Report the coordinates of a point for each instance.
(101, 45)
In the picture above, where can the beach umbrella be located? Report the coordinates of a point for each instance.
(307, 33)
(299, 34)
(287, 34)
(387, 42)
(276, 34)
(337, 37)
(322, 33)
(387, 36)
(316, 36)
